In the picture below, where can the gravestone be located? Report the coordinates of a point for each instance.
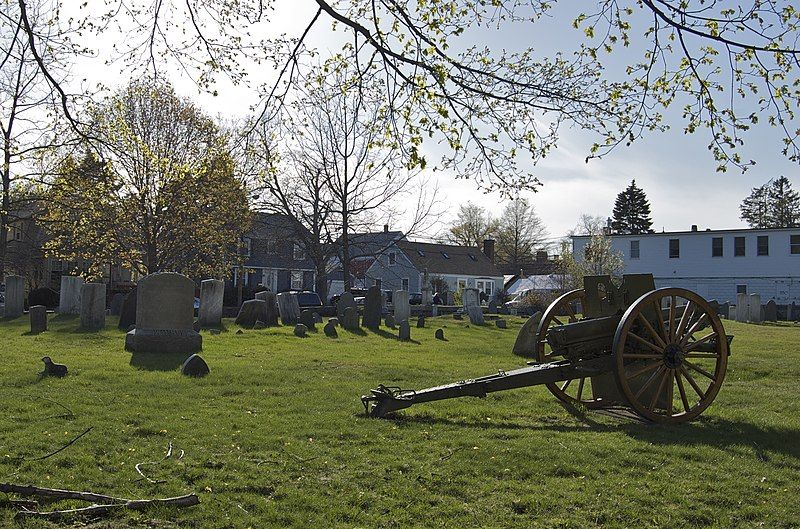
(211, 293)
(70, 295)
(307, 319)
(492, 307)
(526, 345)
(714, 304)
(471, 297)
(260, 325)
(195, 366)
(439, 334)
(270, 316)
(755, 308)
(421, 322)
(402, 309)
(93, 306)
(475, 314)
(501, 323)
(373, 305)
(300, 330)
(116, 304)
(435, 310)
(405, 331)
(15, 296)
(317, 317)
(390, 321)
(345, 300)
(288, 308)
(458, 316)
(251, 311)
(330, 329)
(742, 307)
(350, 321)
(164, 316)
(725, 310)
(771, 311)
(127, 316)
(43, 296)
(334, 321)
(38, 314)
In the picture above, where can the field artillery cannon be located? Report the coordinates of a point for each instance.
(662, 353)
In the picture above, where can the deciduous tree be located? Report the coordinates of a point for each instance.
(472, 225)
(520, 232)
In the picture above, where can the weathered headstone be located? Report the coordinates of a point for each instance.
(742, 307)
(270, 316)
(195, 366)
(725, 310)
(405, 331)
(373, 305)
(470, 297)
(211, 293)
(334, 321)
(714, 304)
(345, 300)
(15, 296)
(439, 334)
(458, 316)
(38, 314)
(390, 321)
(127, 316)
(421, 322)
(300, 330)
(70, 295)
(501, 323)
(771, 311)
(330, 329)
(164, 316)
(755, 308)
(350, 321)
(289, 308)
(116, 303)
(492, 307)
(307, 319)
(402, 309)
(434, 310)
(526, 345)
(251, 311)
(93, 306)
(259, 325)
(475, 313)
(317, 317)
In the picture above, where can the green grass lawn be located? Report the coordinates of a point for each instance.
(276, 436)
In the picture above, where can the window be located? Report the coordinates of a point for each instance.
(392, 258)
(404, 284)
(716, 247)
(738, 246)
(268, 279)
(741, 289)
(486, 286)
(634, 249)
(674, 248)
(762, 246)
(298, 252)
(794, 244)
(461, 284)
(270, 245)
(297, 280)
(247, 246)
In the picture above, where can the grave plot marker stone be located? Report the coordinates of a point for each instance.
(15, 296)
(93, 306)
(345, 300)
(164, 316)
(492, 307)
(38, 314)
(251, 312)
(300, 330)
(475, 315)
(439, 334)
(373, 305)
(501, 324)
(405, 331)
(270, 316)
(402, 309)
(742, 307)
(771, 311)
(127, 316)
(330, 329)
(195, 366)
(211, 293)
(390, 321)
(471, 297)
(69, 299)
(350, 321)
(421, 321)
(289, 308)
(755, 308)
(307, 319)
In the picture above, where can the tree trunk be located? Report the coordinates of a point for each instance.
(6, 207)
(345, 250)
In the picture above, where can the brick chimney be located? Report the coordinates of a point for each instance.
(385, 228)
(488, 249)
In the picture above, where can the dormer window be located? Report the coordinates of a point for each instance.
(444, 254)
(472, 257)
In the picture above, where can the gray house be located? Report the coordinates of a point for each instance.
(404, 265)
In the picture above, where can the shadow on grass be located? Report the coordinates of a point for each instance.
(382, 333)
(158, 361)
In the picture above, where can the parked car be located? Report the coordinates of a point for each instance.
(415, 298)
(357, 292)
(518, 301)
(308, 300)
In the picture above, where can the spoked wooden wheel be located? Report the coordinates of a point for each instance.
(562, 311)
(671, 354)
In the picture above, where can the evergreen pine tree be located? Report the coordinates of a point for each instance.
(772, 205)
(632, 212)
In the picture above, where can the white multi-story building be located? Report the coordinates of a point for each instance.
(717, 264)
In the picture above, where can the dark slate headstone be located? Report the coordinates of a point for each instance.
(501, 324)
(38, 314)
(493, 307)
(405, 331)
(421, 322)
(475, 313)
(252, 310)
(439, 334)
(330, 329)
(334, 321)
(345, 300)
(270, 316)
(725, 310)
(390, 321)
(288, 308)
(771, 311)
(373, 303)
(317, 317)
(116, 304)
(307, 319)
(127, 315)
(300, 330)
(195, 366)
(350, 321)
(260, 325)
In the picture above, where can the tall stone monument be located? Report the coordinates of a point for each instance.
(402, 309)
(270, 316)
(211, 292)
(289, 308)
(15, 296)
(93, 306)
(755, 308)
(69, 301)
(471, 297)
(164, 316)
(373, 305)
(742, 307)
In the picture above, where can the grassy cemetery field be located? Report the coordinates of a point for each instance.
(275, 436)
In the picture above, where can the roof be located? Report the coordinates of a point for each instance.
(274, 226)
(693, 232)
(448, 259)
(370, 244)
(531, 268)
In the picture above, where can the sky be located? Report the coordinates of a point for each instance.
(676, 171)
